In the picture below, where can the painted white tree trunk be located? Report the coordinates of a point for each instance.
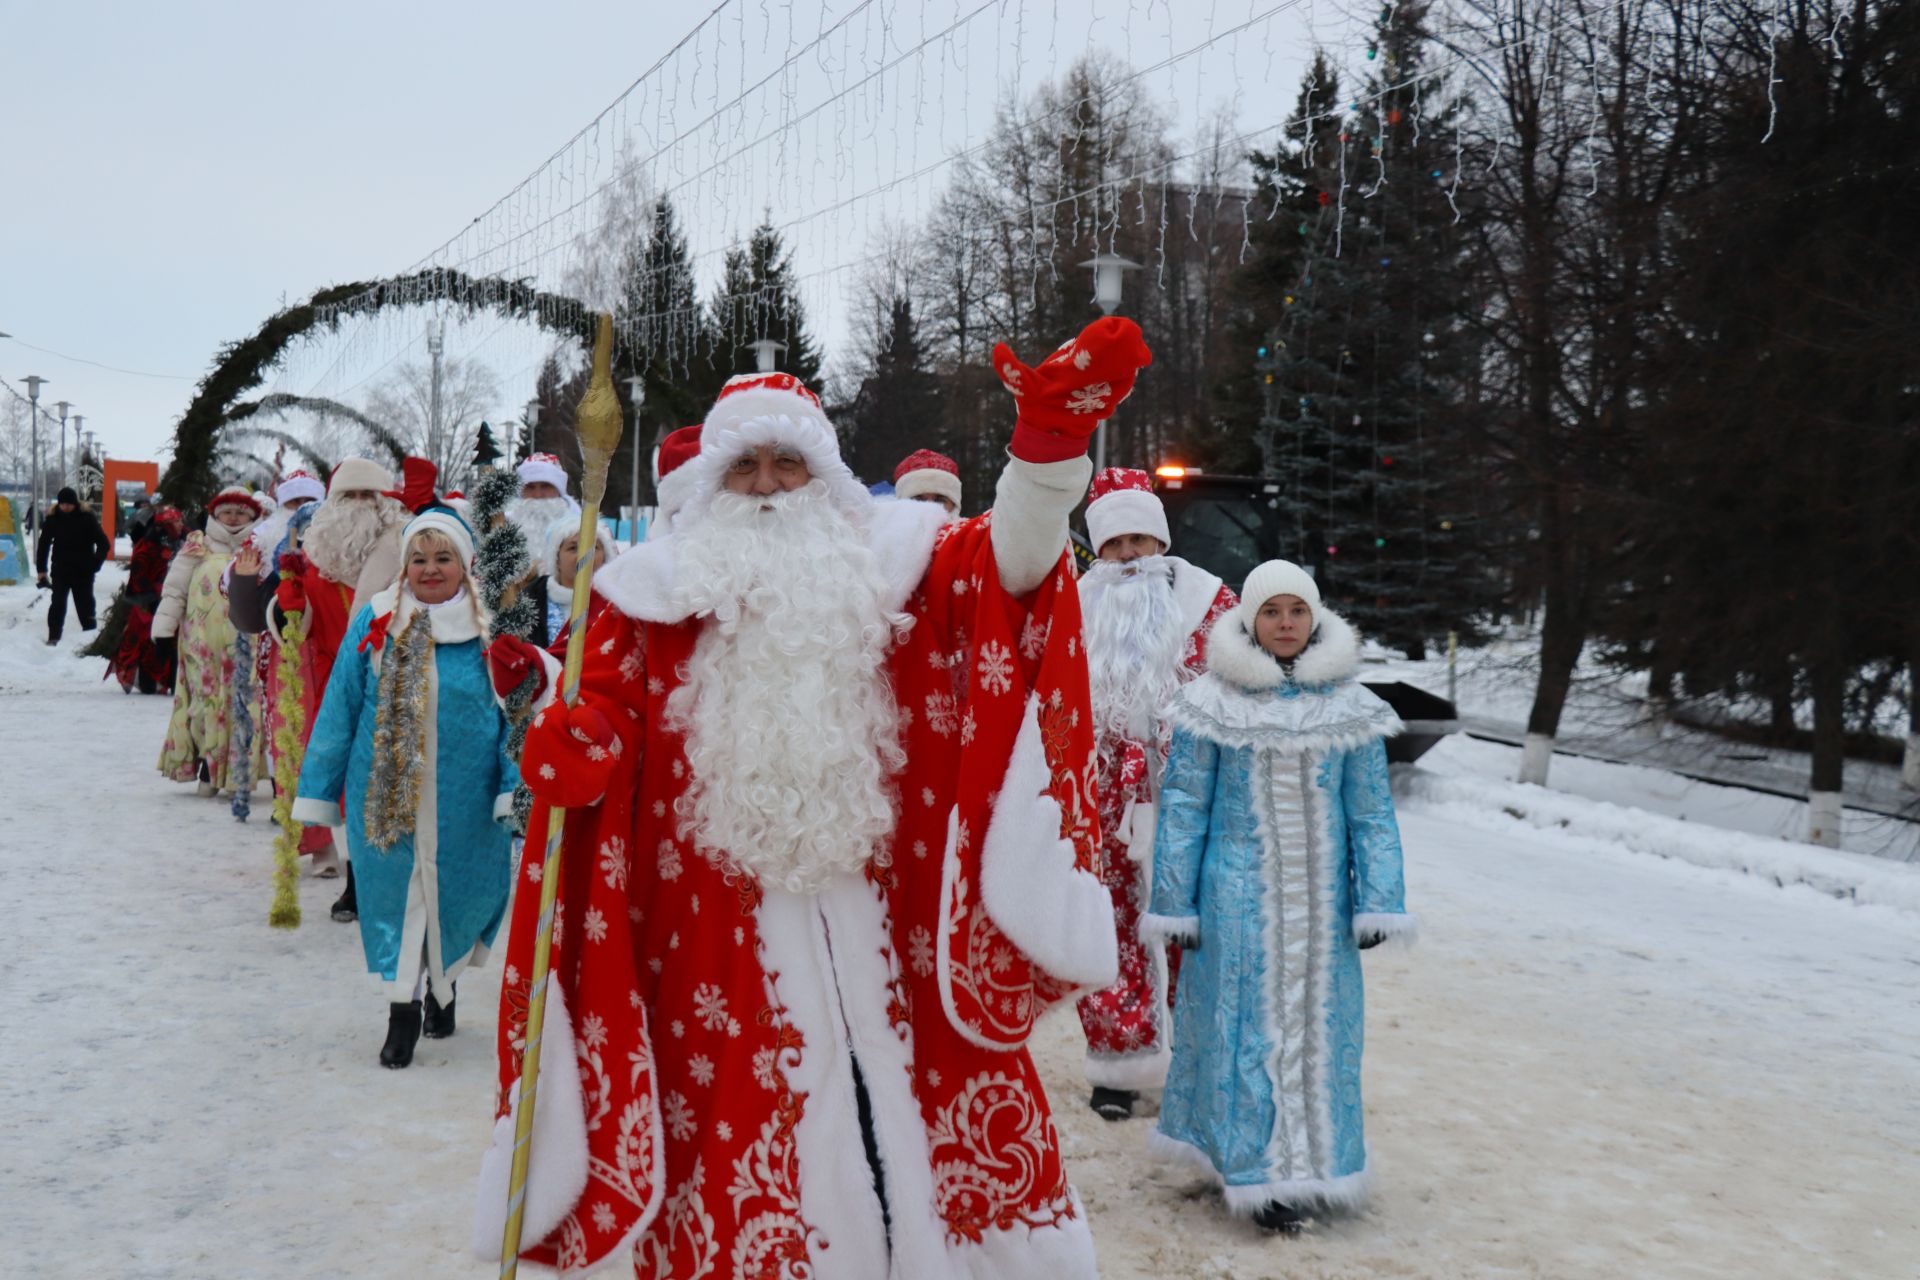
(1823, 818)
(1910, 766)
(1535, 756)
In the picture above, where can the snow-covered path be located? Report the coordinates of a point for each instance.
(1597, 1064)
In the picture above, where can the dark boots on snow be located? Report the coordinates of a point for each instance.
(1112, 1104)
(403, 1032)
(346, 907)
(439, 1017)
(1282, 1220)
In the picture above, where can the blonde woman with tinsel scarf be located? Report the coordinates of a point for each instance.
(409, 736)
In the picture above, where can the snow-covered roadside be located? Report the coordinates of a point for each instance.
(1482, 799)
(1597, 1064)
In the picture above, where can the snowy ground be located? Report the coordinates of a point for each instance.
(1599, 1062)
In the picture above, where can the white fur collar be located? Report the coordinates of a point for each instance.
(1194, 591)
(1248, 699)
(641, 582)
(453, 625)
(1332, 655)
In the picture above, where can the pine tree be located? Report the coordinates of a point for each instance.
(485, 451)
(897, 406)
(759, 299)
(1372, 353)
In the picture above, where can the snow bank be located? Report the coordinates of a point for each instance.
(1488, 803)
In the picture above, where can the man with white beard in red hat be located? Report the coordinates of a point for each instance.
(829, 852)
(1148, 615)
(543, 498)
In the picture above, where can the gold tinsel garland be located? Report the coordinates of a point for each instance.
(286, 776)
(400, 734)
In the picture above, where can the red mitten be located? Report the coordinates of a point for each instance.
(510, 659)
(291, 594)
(1063, 398)
(569, 756)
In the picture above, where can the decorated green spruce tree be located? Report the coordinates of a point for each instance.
(1373, 353)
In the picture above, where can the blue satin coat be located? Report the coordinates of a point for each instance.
(1272, 850)
(469, 852)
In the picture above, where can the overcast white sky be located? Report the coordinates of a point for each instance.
(176, 172)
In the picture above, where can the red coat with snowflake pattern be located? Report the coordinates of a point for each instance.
(716, 1024)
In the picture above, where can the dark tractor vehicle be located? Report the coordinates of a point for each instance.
(1230, 524)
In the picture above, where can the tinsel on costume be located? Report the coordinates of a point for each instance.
(400, 733)
(240, 745)
(290, 728)
(503, 566)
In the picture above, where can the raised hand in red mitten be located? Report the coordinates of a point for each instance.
(1064, 397)
(510, 660)
(291, 594)
(569, 756)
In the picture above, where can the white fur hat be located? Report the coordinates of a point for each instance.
(1277, 578)
(542, 467)
(1124, 502)
(565, 527)
(756, 409)
(359, 473)
(441, 520)
(298, 484)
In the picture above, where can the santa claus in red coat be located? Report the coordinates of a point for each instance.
(830, 850)
(1148, 615)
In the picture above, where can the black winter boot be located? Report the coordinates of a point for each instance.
(403, 1032)
(346, 907)
(1281, 1219)
(439, 1017)
(1113, 1104)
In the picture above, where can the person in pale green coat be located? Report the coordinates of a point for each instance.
(410, 737)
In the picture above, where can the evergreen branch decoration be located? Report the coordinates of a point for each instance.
(192, 476)
(291, 727)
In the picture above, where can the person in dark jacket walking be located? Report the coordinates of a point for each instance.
(75, 545)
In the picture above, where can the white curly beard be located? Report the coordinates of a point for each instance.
(792, 732)
(1133, 644)
(343, 534)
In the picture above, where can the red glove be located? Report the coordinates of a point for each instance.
(1074, 390)
(291, 594)
(569, 756)
(510, 659)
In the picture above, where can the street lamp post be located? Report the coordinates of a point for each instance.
(80, 447)
(1109, 271)
(764, 352)
(34, 382)
(532, 424)
(61, 407)
(637, 394)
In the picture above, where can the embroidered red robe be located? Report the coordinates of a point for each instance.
(712, 1123)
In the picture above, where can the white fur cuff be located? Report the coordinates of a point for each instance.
(1179, 930)
(311, 812)
(1394, 928)
(503, 806)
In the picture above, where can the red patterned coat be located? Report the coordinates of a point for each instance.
(1127, 1024)
(712, 1124)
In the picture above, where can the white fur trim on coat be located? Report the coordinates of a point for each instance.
(557, 1160)
(1166, 930)
(1194, 591)
(1232, 704)
(1059, 915)
(311, 812)
(1396, 929)
(1346, 1193)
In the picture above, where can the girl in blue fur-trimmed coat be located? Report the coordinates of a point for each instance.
(410, 737)
(1276, 862)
